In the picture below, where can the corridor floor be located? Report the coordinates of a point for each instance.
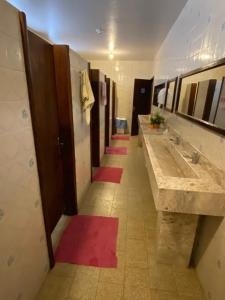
(138, 275)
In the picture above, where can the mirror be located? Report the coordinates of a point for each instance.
(201, 96)
(157, 89)
(170, 94)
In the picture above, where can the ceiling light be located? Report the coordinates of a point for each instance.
(99, 30)
(205, 56)
(111, 46)
(111, 55)
(117, 68)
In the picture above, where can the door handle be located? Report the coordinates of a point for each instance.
(60, 145)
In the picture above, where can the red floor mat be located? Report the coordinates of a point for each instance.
(89, 241)
(108, 174)
(116, 150)
(121, 137)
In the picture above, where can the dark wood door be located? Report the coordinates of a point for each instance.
(65, 114)
(107, 114)
(95, 118)
(141, 101)
(46, 126)
(113, 108)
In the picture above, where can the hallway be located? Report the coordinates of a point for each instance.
(137, 276)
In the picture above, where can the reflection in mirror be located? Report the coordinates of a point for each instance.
(204, 98)
(158, 89)
(187, 104)
(201, 96)
(215, 101)
(171, 94)
(220, 112)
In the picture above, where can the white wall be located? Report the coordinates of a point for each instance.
(198, 38)
(124, 78)
(23, 251)
(81, 129)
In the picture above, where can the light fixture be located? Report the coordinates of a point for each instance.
(111, 55)
(117, 68)
(111, 46)
(99, 30)
(205, 56)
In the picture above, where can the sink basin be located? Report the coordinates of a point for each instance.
(177, 184)
(170, 160)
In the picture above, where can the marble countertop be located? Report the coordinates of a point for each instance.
(198, 193)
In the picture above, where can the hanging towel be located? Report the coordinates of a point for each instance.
(104, 93)
(87, 97)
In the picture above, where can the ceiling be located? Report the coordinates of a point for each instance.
(132, 29)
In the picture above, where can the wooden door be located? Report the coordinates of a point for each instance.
(39, 63)
(97, 119)
(95, 126)
(65, 114)
(107, 114)
(113, 108)
(141, 101)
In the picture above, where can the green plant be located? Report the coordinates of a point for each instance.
(157, 119)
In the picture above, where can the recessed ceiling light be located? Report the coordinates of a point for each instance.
(99, 30)
(111, 55)
(117, 68)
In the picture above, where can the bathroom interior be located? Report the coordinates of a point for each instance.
(135, 86)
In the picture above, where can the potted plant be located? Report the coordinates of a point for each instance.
(156, 120)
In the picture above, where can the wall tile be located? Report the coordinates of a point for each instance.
(11, 53)
(23, 256)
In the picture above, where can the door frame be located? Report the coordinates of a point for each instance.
(148, 108)
(113, 108)
(107, 113)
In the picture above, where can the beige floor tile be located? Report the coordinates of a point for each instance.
(135, 293)
(161, 295)
(136, 230)
(136, 254)
(109, 291)
(150, 221)
(120, 202)
(63, 269)
(187, 283)
(97, 201)
(120, 213)
(84, 285)
(138, 277)
(114, 275)
(185, 297)
(161, 277)
(103, 210)
(55, 287)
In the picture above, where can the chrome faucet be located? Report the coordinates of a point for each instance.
(195, 157)
(177, 140)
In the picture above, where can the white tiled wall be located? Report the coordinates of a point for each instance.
(196, 39)
(124, 78)
(81, 129)
(23, 250)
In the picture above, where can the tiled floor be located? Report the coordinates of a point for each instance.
(138, 275)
